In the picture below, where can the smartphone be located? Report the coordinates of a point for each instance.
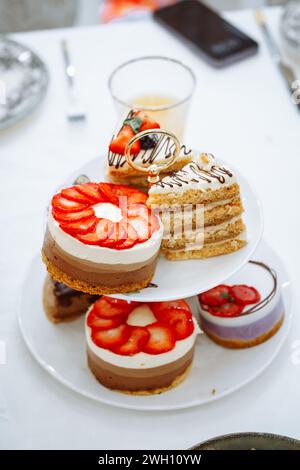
(218, 41)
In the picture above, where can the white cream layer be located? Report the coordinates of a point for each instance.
(143, 360)
(98, 254)
(191, 181)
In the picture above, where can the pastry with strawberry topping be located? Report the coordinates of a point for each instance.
(140, 348)
(240, 315)
(149, 149)
(101, 238)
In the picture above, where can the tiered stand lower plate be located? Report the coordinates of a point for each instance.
(216, 371)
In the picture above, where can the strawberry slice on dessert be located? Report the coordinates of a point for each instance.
(113, 338)
(217, 296)
(113, 193)
(159, 308)
(61, 204)
(91, 191)
(109, 307)
(73, 194)
(229, 309)
(161, 339)
(73, 216)
(101, 232)
(147, 123)
(99, 324)
(81, 227)
(179, 320)
(136, 340)
(245, 295)
(131, 237)
(119, 143)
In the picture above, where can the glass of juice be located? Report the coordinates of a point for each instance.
(160, 86)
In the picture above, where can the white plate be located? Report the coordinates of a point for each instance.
(60, 349)
(181, 279)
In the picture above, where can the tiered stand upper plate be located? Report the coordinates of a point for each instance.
(181, 279)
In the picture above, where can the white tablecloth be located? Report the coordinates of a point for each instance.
(243, 115)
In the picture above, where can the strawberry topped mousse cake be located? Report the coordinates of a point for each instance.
(140, 348)
(101, 238)
(146, 151)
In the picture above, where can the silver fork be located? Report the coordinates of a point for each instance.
(75, 112)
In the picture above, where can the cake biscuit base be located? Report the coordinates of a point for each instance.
(88, 288)
(238, 344)
(212, 249)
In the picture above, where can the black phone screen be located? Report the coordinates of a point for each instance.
(218, 40)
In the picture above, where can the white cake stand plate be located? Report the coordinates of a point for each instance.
(60, 350)
(181, 279)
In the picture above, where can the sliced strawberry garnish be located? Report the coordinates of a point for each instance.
(99, 234)
(113, 193)
(109, 307)
(245, 295)
(137, 338)
(141, 210)
(159, 308)
(91, 191)
(80, 227)
(113, 338)
(217, 296)
(73, 194)
(99, 324)
(61, 204)
(161, 339)
(73, 216)
(230, 309)
(116, 237)
(131, 238)
(153, 224)
(141, 227)
(179, 320)
(147, 123)
(118, 144)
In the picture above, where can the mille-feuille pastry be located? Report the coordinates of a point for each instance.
(201, 210)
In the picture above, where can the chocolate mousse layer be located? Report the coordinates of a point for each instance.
(150, 380)
(95, 278)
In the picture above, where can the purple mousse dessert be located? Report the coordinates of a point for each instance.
(240, 316)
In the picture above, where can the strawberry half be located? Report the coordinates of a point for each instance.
(161, 339)
(80, 227)
(113, 338)
(217, 296)
(118, 144)
(137, 338)
(61, 204)
(141, 227)
(73, 216)
(100, 324)
(230, 309)
(109, 307)
(73, 194)
(147, 123)
(245, 295)
(180, 321)
(91, 191)
(99, 234)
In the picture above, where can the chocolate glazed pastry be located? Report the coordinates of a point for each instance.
(63, 304)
